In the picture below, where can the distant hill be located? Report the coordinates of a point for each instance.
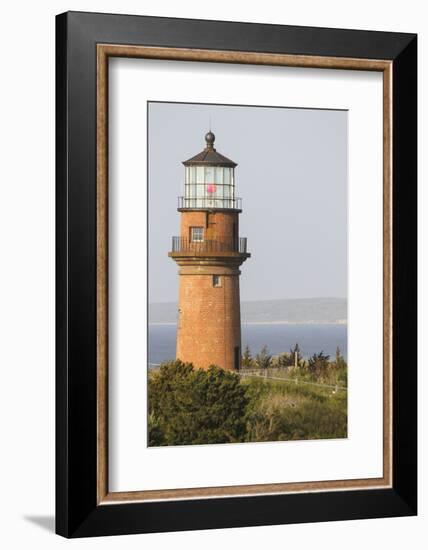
(301, 310)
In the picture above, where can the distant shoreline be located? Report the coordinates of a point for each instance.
(298, 312)
(339, 322)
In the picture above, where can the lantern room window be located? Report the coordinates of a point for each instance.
(209, 186)
(209, 179)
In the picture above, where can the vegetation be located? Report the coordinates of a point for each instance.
(318, 363)
(270, 400)
(263, 359)
(282, 412)
(247, 359)
(188, 406)
(291, 359)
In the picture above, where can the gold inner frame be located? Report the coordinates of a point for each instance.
(104, 51)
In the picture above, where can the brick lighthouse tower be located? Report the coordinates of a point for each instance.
(209, 253)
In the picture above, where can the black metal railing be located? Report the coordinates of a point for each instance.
(209, 202)
(183, 244)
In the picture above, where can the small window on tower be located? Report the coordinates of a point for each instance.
(196, 234)
(216, 280)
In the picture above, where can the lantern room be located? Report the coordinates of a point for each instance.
(209, 180)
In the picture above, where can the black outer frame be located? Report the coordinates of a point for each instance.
(77, 513)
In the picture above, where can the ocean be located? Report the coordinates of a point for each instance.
(312, 338)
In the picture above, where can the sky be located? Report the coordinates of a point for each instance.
(292, 177)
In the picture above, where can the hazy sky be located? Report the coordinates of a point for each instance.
(292, 177)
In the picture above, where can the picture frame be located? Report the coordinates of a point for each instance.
(84, 44)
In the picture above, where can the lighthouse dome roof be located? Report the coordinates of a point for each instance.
(209, 156)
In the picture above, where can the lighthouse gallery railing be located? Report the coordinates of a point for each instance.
(207, 202)
(183, 244)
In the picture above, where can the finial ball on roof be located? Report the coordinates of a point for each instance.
(210, 138)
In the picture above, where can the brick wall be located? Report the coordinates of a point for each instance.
(217, 225)
(209, 324)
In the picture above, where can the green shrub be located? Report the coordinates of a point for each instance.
(188, 406)
(263, 359)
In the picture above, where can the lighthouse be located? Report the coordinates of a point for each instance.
(209, 253)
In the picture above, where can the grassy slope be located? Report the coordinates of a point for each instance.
(283, 410)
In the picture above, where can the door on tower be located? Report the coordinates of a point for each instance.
(236, 359)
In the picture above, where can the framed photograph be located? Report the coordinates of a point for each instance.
(236, 274)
